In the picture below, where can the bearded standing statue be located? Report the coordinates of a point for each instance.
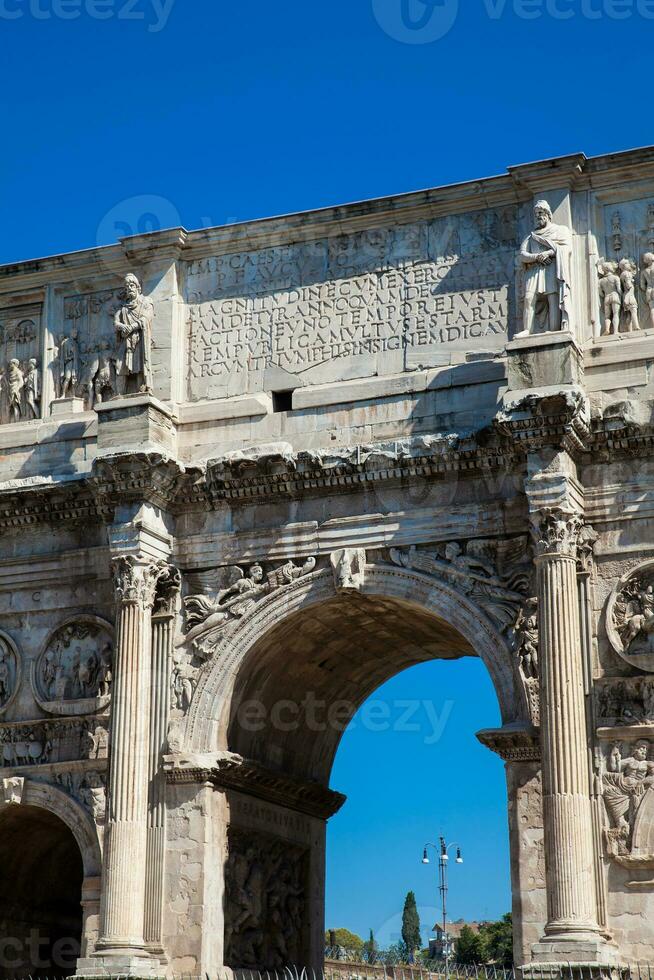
(133, 323)
(546, 259)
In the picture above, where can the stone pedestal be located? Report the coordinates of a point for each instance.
(544, 360)
(136, 421)
(63, 407)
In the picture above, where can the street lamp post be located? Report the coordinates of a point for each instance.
(443, 861)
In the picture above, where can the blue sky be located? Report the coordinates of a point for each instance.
(206, 111)
(121, 116)
(425, 775)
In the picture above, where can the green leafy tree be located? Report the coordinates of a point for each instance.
(344, 938)
(411, 926)
(498, 937)
(470, 947)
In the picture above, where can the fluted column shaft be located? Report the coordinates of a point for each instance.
(568, 823)
(162, 649)
(123, 900)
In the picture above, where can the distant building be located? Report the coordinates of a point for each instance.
(445, 944)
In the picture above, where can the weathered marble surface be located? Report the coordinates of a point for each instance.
(247, 475)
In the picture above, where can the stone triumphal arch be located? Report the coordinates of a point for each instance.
(246, 471)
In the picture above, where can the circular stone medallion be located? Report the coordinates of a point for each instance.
(72, 676)
(630, 617)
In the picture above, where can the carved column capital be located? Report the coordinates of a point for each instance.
(556, 532)
(135, 581)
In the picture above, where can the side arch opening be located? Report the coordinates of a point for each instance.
(41, 875)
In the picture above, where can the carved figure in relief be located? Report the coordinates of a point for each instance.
(546, 259)
(69, 364)
(634, 620)
(647, 282)
(32, 389)
(626, 783)
(15, 384)
(611, 296)
(265, 900)
(133, 323)
(207, 614)
(102, 386)
(628, 273)
(527, 635)
(77, 663)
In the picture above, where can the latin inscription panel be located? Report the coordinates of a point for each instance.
(373, 303)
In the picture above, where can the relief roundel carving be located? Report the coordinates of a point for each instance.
(72, 675)
(10, 671)
(630, 617)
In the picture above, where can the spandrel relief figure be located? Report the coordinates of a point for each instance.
(68, 365)
(214, 605)
(545, 258)
(610, 289)
(133, 323)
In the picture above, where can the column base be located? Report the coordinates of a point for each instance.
(553, 953)
(135, 965)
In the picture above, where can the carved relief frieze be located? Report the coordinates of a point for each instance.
(48, 741)
(20, 380)
(624, 701)
(222, 596)
(625, 275)
(266, 897)
(630, 617)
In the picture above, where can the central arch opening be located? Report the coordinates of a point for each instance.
(295, 692)
(41, 876)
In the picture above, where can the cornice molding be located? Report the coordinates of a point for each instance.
(512, 744)
(231, 772)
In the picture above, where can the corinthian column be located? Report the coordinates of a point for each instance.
(568, 822)
(162, 649)
(123, 898)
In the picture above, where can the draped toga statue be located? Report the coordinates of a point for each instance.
(546, 260)
(133, 323)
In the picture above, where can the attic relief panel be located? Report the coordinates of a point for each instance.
(625, 274)
(20, 377)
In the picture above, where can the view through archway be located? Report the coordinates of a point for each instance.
(41, 877)
(413, 770)
(297, 688)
